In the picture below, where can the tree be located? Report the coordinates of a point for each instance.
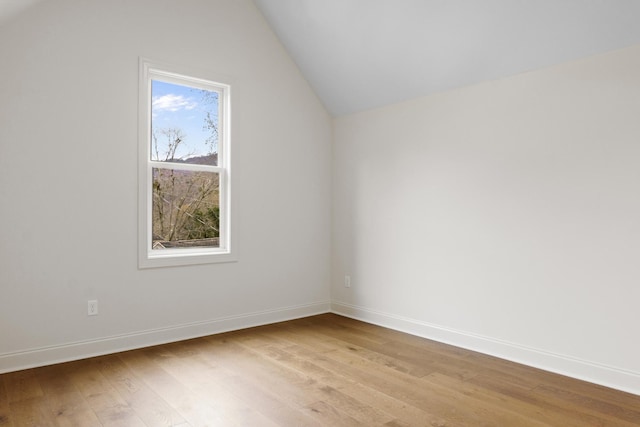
(203, 223)
(185, 204)
(174, 138)
(210, 99)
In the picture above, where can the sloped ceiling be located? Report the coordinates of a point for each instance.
(362, 54)
(10, 8)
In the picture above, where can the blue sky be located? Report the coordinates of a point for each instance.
(181, 107)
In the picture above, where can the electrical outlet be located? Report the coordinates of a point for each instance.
(92, 307)
(347, 281)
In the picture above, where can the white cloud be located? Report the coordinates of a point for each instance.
(173, 103)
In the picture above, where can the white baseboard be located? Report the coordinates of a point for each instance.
(32, 358)
(589, 371)
(581, 369)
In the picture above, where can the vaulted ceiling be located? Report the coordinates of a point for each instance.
(363, 54)
(9, 8)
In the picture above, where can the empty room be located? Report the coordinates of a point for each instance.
(319, 213)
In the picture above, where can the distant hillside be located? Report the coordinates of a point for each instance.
(209, 159)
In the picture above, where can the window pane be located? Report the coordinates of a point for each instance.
(184, 124)
(186, 209)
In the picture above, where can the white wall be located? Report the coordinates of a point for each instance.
(503, 217)
(68, 179)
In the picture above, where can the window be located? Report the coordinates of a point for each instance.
(184, 168)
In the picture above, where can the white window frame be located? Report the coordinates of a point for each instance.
(148, 257)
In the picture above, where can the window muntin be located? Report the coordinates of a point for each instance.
(184, 169)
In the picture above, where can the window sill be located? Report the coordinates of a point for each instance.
(180, 258)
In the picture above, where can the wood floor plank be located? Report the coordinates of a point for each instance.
(293, 388)
(387, 383)
(332, 386)
(579, 403)
(270, 405)
(331, 416)
(55, 379)
(373, 352)
(192, 407)
(204, 400)
(391, 336)
(5, 410)
(594, 391)
(70, 409)
(211, 384)
(60, 403)
(22, 385)
(325, 370)
(519, 403)
(407, 354)
(32, 412)
(332, 390)
(330, 401)
(381, 407)
(110, 408)
(147, 405)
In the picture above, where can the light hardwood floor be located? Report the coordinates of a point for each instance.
(324, 370)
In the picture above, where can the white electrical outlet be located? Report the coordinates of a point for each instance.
(92, 307)
(347, 281)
